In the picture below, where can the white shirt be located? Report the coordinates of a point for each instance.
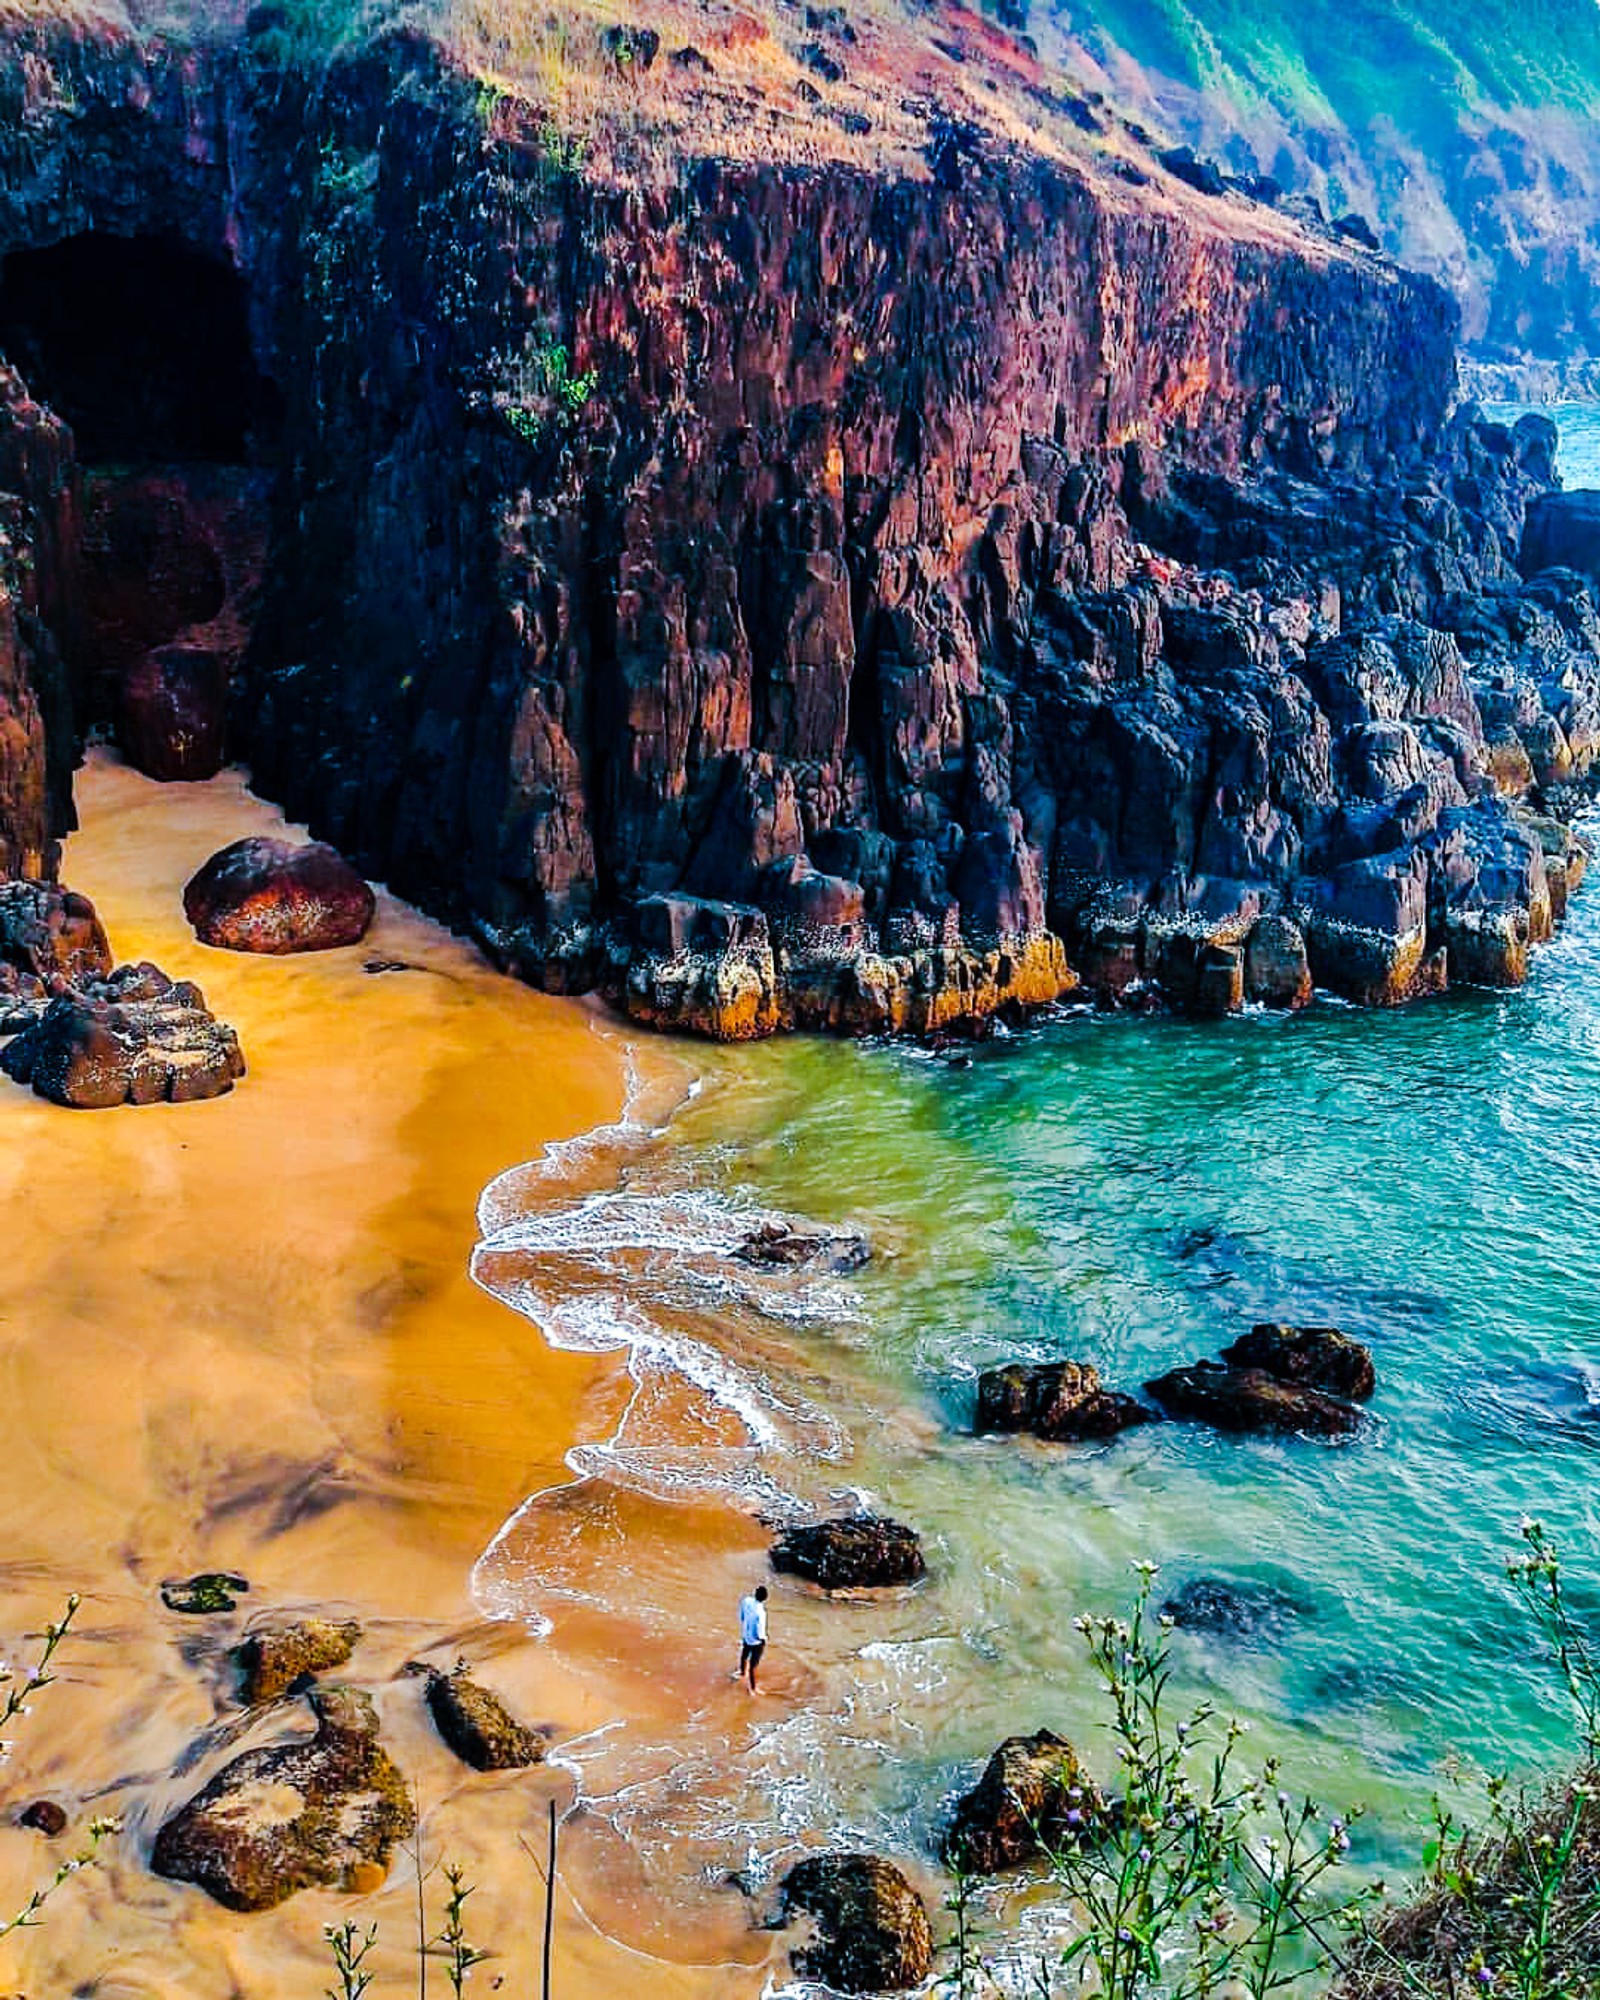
(752, 1621)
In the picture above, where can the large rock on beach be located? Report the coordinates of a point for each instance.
(859, 1552)
(1250, 1400)
(478, 1726)
(265, 895)
(1033, 1795)
(872, 1931)
(135, 1037)
(284, 1658)
(322, 1813)
(1062, 1401)
(1318, 1357)
(48, 933)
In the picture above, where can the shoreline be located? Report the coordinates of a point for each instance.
(245, 1335)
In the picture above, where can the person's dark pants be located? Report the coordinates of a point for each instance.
(750, 1659)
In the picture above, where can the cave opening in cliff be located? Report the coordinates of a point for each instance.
(143, 345)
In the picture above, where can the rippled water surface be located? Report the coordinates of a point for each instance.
(1133, 1193)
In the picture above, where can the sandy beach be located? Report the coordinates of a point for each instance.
(244, 1335)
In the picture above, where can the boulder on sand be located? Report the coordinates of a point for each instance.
(136, 1037)
(872, 1932)
(858, 1552)
(477, 1725)
(1059, 1400)
(321, 1813)
(268, 896)
(1033, 1795)
(48, 933)
(1320, 1357)
(283, 1657)
(1250, 1400)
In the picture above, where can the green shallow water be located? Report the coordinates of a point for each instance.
(1134, 1193)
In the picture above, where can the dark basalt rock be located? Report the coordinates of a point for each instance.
(478, 1727)
(782, 1246)
(1184, 165)
(1058, 1400)
(211, 1592)
(1249, 1400)
(265, 895)
(1244, 1613)
(320, 1813)
(1320, 1357)
(172, 722)
(282, 1659)
(44, 1816)
(133, 1038)
(1563, 532)
(1356, 229)
(1033, 1795)
(873, 1934)
(860, 1552)
(50, 934)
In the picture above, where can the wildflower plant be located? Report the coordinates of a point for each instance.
(15, 1704)
(1202, 1875)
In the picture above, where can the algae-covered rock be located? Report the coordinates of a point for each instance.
(1321, 1357)
(873, 1934)
(321, 1813)
(1062, 1401)
(477, 1725)
(209, 1593)
(1251, 1400)
(273, 1661)
(860, 1552)
(1033, 1794)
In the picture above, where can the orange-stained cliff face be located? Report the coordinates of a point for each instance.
(881, 568)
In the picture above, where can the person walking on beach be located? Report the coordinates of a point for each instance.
(752, 1634)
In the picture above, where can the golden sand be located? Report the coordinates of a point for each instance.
(243, 1335)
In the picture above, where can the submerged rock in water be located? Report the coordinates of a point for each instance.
(1250, 1400)
(320, 1813)
(265, 895)
(276, 1661)
(1033, 1795)
(477, 1725)
(873, 1934)
(1058, 1400)
(211, 1592)
(136, 1037)
(49, 933)
(1320, 1357)
(782, 1246)
(859, 1552)
(1240, 1611)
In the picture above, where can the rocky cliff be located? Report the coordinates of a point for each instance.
(799, 593)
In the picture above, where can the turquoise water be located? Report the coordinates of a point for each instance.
(1132, 1193)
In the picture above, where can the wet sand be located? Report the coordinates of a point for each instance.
(244, 1335)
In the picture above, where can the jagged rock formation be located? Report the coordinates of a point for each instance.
(862, 600)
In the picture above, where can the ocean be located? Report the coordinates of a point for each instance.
(1130, 1192)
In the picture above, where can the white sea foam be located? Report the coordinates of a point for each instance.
(611, 1268)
